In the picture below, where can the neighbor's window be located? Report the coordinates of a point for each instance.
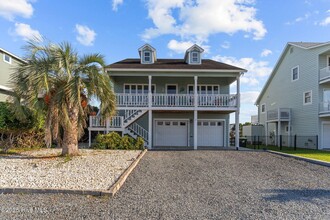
(263, 108)
(7, 58)
(307, 97)
(295, 73)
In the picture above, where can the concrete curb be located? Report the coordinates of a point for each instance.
(111, 192)
(314, 161)
(121, 180)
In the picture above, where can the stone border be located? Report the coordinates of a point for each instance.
(314, 161)
(111, 192)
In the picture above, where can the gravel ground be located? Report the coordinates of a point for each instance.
(94, 170)
(195, 185)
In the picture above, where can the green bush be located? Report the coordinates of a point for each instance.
(139, 144)
(114, 141)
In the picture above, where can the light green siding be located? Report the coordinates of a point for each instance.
(282, 92)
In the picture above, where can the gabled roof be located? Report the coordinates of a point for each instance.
(12, 55)
(173, 64)
(192, 48)
(148, 47)
(303, 45)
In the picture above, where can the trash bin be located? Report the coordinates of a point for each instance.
(242, 142)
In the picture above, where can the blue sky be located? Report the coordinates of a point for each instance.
(247, 33)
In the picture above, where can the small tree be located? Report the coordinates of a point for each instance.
(55, 79)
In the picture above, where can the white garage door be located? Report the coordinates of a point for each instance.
(210, 133)
(326, 136)
(171, 133)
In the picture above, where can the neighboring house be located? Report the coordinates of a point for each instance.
(8, 62)
(296, 98)
(173, 102)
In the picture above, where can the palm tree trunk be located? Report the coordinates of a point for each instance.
(70, 136)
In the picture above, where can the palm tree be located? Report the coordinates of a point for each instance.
(56, 80)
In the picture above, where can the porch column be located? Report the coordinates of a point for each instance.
(149, 113)
(195, 112)
(278, 127)
(266, 133)
(89, 138)
(237, 113)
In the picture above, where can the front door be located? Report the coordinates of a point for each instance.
(171, 91)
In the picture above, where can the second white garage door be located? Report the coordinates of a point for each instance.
(210, 133)
(171, 133)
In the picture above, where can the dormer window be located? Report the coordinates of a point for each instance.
(147, 57)
(193, 55)
(147, 54)
(7, 58)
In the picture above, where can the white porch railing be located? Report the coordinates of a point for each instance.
(217, 100)
(139, 131)
(132, 100)
(325, 73)
(325, 107)
(176, 100)
(279, 114)
(99, 122)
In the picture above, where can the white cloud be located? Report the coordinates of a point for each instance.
(182, 46)
(225, 45)
(249, 97)
(26, 32)
(257, 70)
(9, 9)
(325, 21)
(116, 3)
(86, 36)
(266, 52)
(200, 18)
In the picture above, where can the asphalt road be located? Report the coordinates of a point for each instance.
(195, 185)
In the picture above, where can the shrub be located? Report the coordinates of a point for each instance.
(139, 144)
(114, 141)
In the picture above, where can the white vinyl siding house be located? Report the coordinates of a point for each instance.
(173, 103)
(297, 92)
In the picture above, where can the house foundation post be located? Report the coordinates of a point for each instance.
(149, 113)
(89, 138)
(237, 113)
(195, 112)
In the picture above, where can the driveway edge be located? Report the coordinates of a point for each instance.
(121, 180)
(314, 161)
(111, 192)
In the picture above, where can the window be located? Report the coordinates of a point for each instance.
(287, 129)
(204, 89)
(307, 97)
(7, 58)
(147, 56)
(138, 88)
(263, 108)
(295, 73)
(328, 60)
(194, 57)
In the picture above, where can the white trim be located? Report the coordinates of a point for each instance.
(172, 119)
(6, 88)
(304, 97)
(199, 85)
(308, 48)
(264, 104)
(4, 60)
(170, 84)
(293, 80)
(322, 139)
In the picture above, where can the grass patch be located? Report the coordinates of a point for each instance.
(308, 153)
(18, 150)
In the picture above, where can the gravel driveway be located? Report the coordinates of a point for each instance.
(196, 185)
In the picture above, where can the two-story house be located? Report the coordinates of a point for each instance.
(8, 62)
(173, 103)
(296, 98)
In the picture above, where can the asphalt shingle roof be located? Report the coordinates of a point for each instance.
(207, 64)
